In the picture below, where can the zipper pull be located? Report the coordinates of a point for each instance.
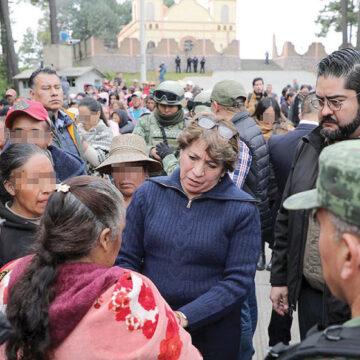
(189, 204)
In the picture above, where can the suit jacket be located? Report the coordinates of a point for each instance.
(282, 150)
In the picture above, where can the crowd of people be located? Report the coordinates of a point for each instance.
(133, 219)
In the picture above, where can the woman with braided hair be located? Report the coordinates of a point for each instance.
(67, 301)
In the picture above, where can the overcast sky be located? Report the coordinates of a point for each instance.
(257, 21)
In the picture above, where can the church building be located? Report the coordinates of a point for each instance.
(185, 22)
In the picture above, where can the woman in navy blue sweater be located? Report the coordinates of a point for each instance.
(197, 237)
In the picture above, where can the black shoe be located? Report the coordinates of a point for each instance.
(261, 262)
(269, 265)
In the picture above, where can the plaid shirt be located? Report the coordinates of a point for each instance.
(243, 166)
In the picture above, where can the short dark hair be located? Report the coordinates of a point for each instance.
(306, 105)
(257, 79)
(343, 63)
(309, 87)
(44, 70)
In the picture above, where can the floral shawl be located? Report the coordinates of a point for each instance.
(106, 314)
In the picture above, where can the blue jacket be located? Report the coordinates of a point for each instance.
(201, 253)
(66, 164)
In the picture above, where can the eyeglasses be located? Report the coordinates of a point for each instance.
(223, 130)
(333, 104)
(170, 97)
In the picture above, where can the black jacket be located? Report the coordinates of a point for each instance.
(16, 236)
(291, 230)
(257, 180)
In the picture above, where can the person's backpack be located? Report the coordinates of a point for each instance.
(334, 342)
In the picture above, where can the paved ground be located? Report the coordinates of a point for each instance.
(278, 79)
(261, 339)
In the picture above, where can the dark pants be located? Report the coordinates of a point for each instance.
(279, 329)
(310, 306)
(202, 68)
(248, 325)
(178, 70)
(188, 68)
(220, 339)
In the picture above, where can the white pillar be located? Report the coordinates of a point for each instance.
(142, 42)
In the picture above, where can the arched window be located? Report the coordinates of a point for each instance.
(149, 15)
(188, 45)
(224, 14)
(219, 27)
(150, 45)
(150, 26)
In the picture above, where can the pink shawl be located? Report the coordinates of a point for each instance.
(101, 313)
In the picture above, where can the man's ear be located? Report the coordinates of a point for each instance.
(350, 255)
(51, 136)
(32, 93)
(215, 107)
(9, 187)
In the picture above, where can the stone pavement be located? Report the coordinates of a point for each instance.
(261, 339)
(278, 79)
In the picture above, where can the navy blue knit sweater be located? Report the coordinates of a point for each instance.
(201, 254)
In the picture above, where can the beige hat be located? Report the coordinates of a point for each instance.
(125, 149)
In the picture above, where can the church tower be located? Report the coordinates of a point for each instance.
(223, 11)
(153, 10)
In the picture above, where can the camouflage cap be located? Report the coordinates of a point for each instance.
(226, 92)
(337, 187)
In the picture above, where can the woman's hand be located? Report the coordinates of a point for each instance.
(181, 319)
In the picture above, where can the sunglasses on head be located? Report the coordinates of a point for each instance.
(224, 131)
(170, 97)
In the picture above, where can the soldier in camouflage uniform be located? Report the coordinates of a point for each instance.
(161, 128)
(336, 199)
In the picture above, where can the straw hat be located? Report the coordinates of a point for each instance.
(128, 148)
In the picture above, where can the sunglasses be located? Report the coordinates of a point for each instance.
(170, 97)
(191, 104)
(223, 130)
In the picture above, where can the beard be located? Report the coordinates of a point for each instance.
(343, 132)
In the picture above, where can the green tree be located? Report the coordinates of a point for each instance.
(8, 57)
(100, 19)
(30, 48)
(168, 3)
(51, 6)
(85, 18)
(330, 17)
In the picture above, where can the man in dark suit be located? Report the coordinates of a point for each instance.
(282, 147)
(189, 61)
(282, 150)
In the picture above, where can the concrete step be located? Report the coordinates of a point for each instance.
(256, 64)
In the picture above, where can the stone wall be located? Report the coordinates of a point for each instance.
(132, 64)
(126, 58)
(290, 59)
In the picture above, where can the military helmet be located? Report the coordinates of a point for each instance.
(170, 93)
(202, 102)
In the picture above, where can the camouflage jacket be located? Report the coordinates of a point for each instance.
(148, 128)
